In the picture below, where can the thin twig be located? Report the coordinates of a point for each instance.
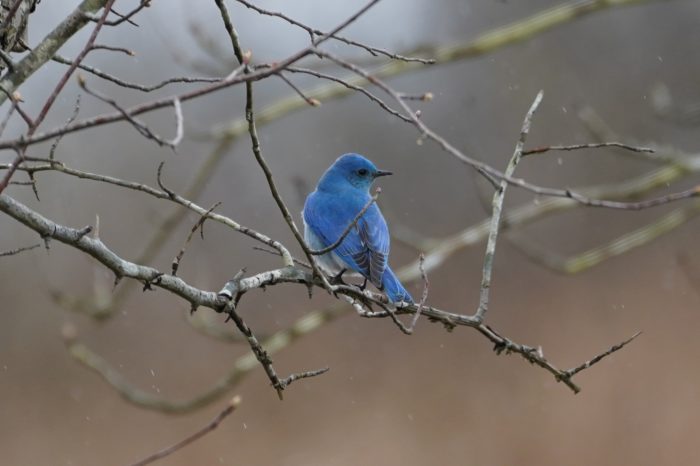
(303, 375)
(426, 287)
(213, 424)
(64, 79)
(197, 226)
(170, 194)
(595, 145)
(139, 126)
(571, 372)
(15, 99)
(140, 87)
(311, 101)
(71, 119)
(124, 18)
(351, 86)
(315, 32)
(110, 48)
(12, 252)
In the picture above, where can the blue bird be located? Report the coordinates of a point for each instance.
(340, 195)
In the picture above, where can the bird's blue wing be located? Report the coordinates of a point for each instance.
(366, 248)
(374, 241)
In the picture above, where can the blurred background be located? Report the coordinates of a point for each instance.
(431, 398)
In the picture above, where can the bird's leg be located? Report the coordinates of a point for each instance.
(364, 285)
(337, 279)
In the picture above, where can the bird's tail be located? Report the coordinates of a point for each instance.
(393, 288)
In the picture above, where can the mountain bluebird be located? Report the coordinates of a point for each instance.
(341, 194)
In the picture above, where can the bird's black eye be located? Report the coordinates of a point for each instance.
(362, 172)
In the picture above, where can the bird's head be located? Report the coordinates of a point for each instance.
(350, 170)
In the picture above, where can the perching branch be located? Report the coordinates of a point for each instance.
(221, 302)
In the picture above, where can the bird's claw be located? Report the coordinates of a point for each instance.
(337, 279)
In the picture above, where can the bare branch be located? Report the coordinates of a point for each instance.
(571, 372)
(111, 48)
(139, 87)
(595, 145)
(350, 86)
(126, 18)
(424, 296)
(315, 32)
(71, 119)
(498, 198)
(308, 100)
(261, 355)
(197, 226)
(303, 375)
(139, 126)
(64, 79)
(213, 424)
(96, 248)
(13, 252)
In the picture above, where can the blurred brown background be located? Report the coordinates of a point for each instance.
(434, 397)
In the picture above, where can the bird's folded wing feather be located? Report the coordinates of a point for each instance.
(365, 248)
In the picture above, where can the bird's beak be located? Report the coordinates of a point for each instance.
(382, 173)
